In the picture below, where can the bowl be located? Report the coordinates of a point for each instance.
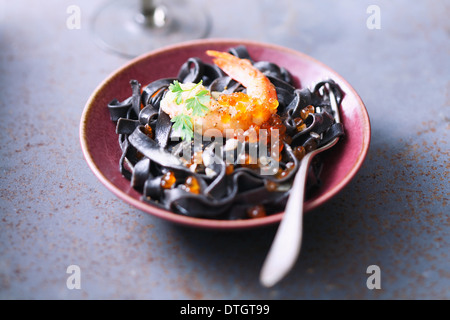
(99, 141)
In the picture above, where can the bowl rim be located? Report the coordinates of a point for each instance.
(212, 223)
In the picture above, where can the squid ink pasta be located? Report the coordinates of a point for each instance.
(223, 140)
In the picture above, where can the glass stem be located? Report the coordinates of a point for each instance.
(151, 14)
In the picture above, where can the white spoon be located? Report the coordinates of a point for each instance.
(287, 242)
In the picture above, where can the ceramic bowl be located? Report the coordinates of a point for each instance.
(100, 143)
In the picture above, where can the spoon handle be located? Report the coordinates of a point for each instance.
(286, 245)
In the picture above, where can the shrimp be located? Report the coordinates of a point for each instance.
(236, 111)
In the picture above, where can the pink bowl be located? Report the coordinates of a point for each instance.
(99, 141)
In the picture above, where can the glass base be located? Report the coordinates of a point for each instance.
(121, 27)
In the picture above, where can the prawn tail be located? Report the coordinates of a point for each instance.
(240, 70)
(224, 58)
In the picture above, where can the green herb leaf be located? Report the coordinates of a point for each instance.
(175, 87)
(201, 97)
(198, 109)
(183, 124)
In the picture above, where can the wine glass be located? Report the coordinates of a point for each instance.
(133, 27)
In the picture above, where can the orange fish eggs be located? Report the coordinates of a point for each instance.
(246, 109)
(256, 212)
(233, 99)
(305, 112)
(284, 173)
(168, 180)
(290, 166)
(148, 131)
(271, 185)
(191, 185)
(275, 129)
(299, 152)
(312, 145)
(229, 169)
(281, 173)
(299, 124)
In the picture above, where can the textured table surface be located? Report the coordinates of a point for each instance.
(394, 214)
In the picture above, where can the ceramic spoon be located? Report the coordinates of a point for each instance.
(287, 242)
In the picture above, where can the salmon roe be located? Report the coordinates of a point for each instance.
(168, 180)
(246, 108)
(148, 131)
(271, 185)
(299, 152)
(305, 112)
(229, 169)
(299, 124)
(256, 212)
(191, 185)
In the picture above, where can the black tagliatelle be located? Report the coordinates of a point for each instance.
(207, 184)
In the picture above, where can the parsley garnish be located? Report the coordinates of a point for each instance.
(183, 123)
(175, 87)
(197, 103)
